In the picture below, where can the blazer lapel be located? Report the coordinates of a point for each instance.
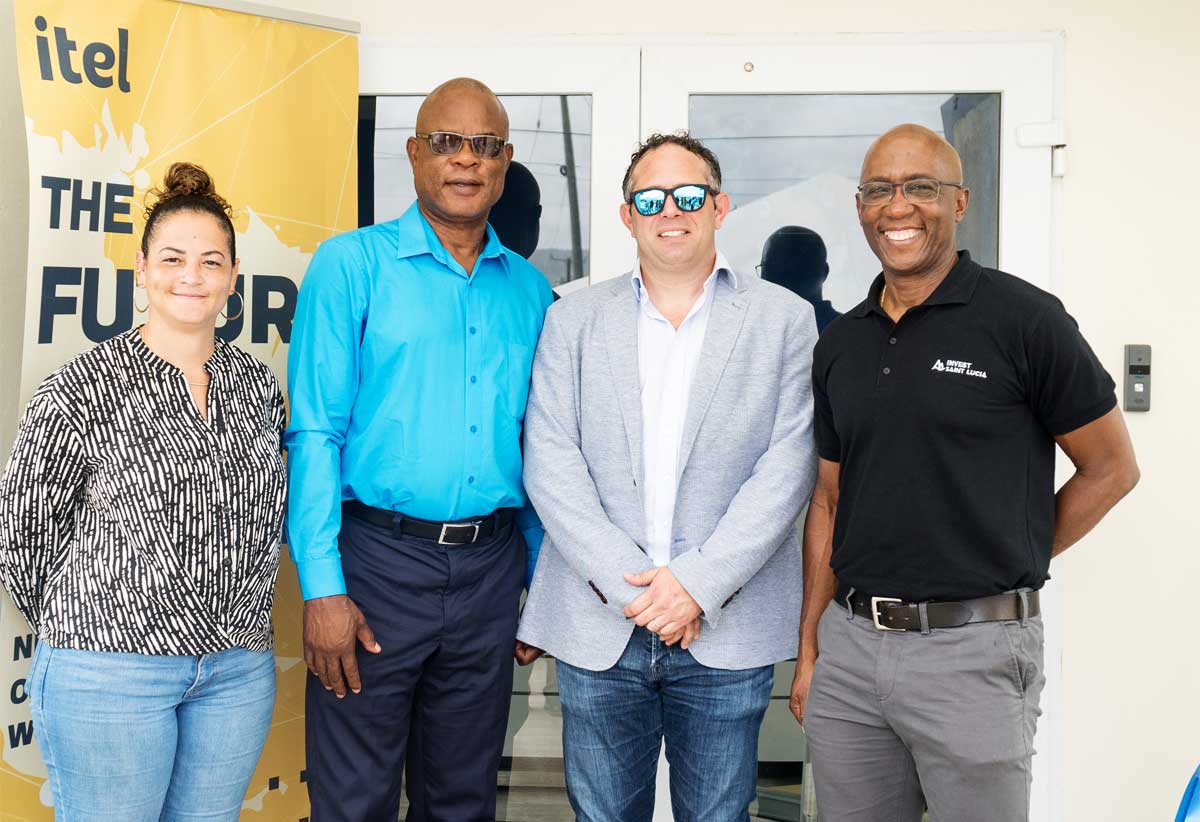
(621, 333)
(724, 326)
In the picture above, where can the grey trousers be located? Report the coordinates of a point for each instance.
(898, 720)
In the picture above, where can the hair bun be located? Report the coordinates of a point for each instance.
(188, 180)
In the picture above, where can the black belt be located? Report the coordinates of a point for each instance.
(894, 614)
(459, 532)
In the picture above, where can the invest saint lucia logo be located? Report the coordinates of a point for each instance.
(958, 367)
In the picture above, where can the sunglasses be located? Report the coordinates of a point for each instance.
(688, 197)
(485, 146)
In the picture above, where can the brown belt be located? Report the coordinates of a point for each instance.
(894, 614)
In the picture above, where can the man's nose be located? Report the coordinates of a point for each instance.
(671, 208)
(899, 205)
(465, 156)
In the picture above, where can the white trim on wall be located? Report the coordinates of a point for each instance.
(276, 13)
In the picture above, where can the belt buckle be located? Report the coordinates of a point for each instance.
(875, 612)
(445, 525)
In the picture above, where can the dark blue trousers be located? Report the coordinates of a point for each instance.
(438, 693)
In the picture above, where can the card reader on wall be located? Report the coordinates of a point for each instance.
(1137, 378)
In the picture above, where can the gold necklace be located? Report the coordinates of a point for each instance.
(882, 295)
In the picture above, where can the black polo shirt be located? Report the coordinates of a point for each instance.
(944, 425)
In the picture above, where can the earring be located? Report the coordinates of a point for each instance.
(138, 308)
(241, 307)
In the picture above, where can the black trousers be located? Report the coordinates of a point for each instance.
(438, 693)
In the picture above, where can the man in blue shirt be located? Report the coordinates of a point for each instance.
(408, 374)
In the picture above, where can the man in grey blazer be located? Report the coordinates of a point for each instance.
(668, 449)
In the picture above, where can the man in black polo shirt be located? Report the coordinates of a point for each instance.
(939, 401)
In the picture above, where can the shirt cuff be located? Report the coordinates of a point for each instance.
(321, 577)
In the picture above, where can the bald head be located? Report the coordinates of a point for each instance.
(459, 92)
(913, 234)
(916, 144)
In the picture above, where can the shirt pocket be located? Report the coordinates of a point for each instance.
(519, 365)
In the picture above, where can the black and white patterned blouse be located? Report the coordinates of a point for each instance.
(130, 523)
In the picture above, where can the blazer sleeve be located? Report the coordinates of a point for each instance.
(764, 509)
(558, 481)
(39, 499)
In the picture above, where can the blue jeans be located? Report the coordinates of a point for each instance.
(139, 738)
(614, 722)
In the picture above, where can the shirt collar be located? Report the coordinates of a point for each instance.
(416, 237)
(956, 289)
(216, 362)
(720, 265)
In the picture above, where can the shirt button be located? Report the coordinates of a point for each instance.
(228, 563)
(473, 379)
(892, 341)
(470, 480)
(473, 429)
(887, 370)
(472, 329)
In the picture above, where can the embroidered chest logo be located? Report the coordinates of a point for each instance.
(958, 367)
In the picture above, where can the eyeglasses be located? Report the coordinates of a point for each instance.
(485, 146)
(689, 197)
(877, 192)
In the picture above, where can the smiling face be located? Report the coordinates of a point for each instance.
(674, 240)
(188, 274)
(459, 188)
(913, 239)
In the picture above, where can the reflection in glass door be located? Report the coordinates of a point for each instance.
(791, 164)
(544, 213)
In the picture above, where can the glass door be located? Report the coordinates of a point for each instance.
(790, 124)
(573, 117)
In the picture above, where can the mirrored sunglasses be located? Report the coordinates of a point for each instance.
(688, 197)
(485, 146)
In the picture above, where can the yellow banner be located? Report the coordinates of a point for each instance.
(114, 93)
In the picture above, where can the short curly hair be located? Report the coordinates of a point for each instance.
(684, 141)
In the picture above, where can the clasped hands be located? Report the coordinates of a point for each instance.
(665, 607)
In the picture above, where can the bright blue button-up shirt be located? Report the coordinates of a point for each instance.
(408, 380)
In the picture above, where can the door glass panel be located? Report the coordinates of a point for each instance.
(551, 171)
(793, 160)
(790, 163)
(543, 215)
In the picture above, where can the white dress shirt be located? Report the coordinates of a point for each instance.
(667, 358)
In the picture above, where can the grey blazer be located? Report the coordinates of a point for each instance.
(747, 465)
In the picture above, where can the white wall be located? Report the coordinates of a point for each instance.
(1131, 698)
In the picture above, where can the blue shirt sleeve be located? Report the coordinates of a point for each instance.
(527, 518)
(532, 530)
(323, 360)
